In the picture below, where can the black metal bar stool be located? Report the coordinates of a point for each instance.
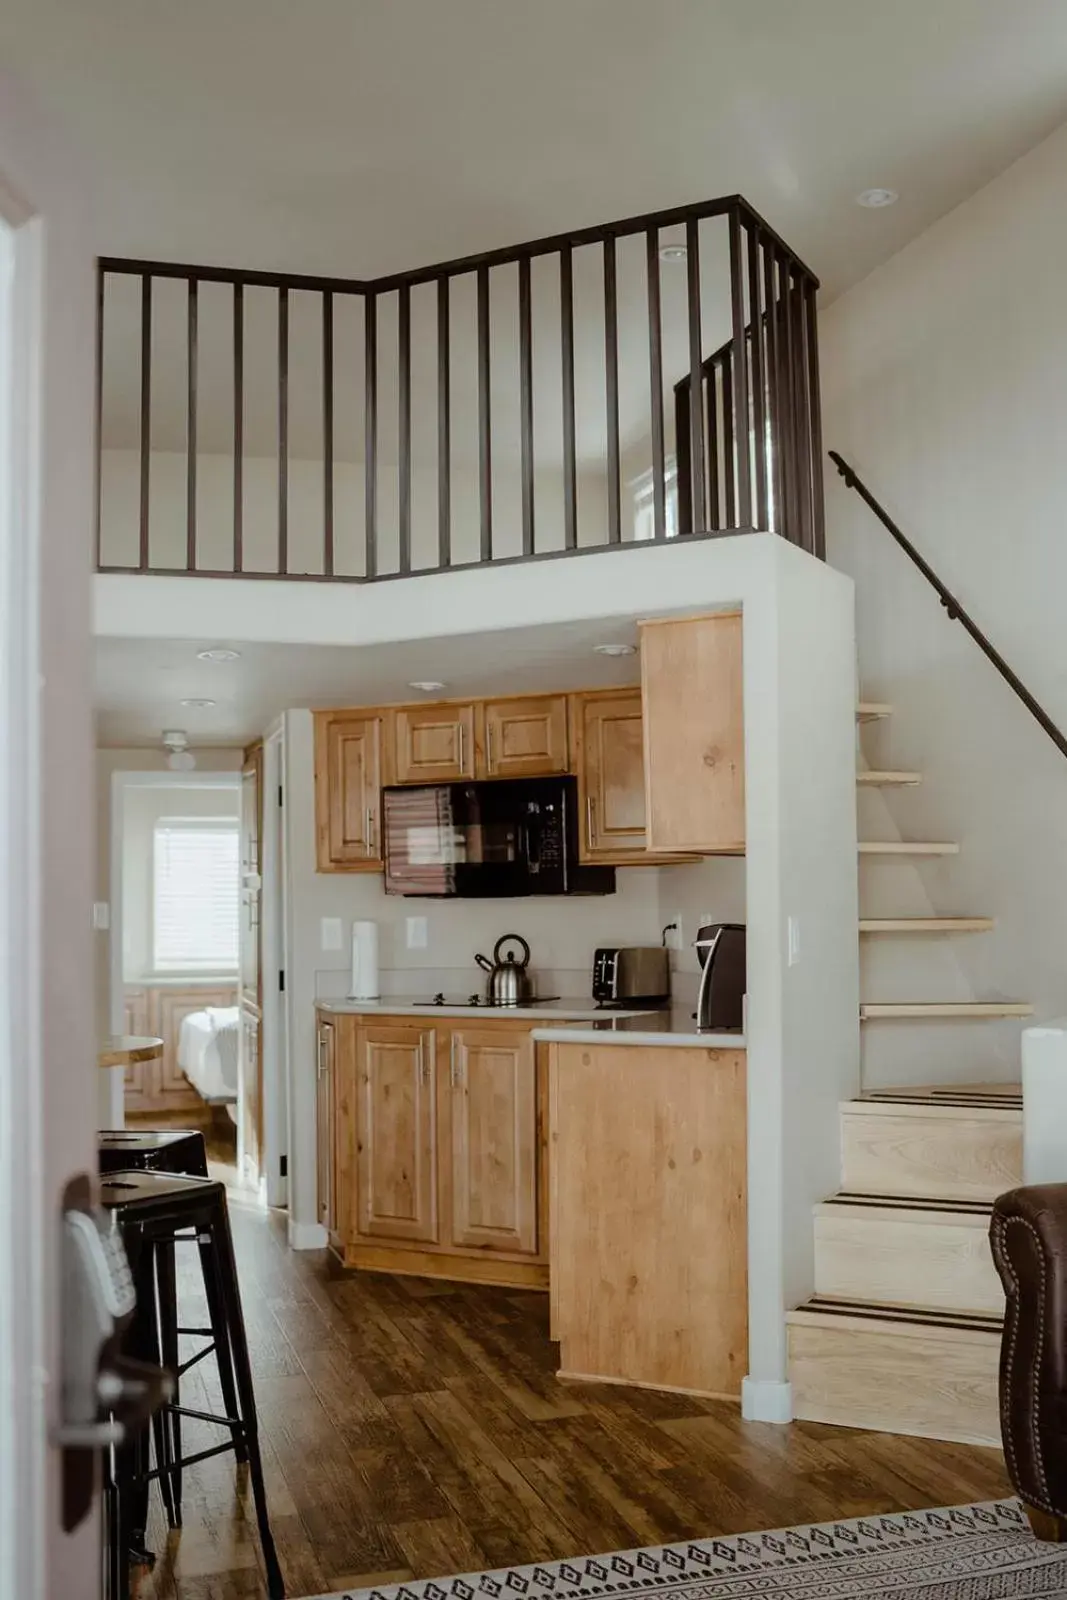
(153, 1209)
(183, 1151)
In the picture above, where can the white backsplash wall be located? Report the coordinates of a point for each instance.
(713, 888)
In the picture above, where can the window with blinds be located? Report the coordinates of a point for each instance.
(195, 895)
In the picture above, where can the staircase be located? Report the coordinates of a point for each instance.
(902, 1333)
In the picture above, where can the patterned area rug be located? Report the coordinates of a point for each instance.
(980, 1552)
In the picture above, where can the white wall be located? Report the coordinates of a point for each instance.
(108, 762)
(142, 809)
(943, 384)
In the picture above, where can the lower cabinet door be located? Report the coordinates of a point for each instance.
(396, 1134)
(493, 1079)
(325, 1130)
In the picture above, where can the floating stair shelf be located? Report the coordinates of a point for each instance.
(926, 924)
(905, 847)
(875, 779)
(877, 1011)
(872, 711)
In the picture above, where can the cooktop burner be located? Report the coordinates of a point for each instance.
(478, 1000)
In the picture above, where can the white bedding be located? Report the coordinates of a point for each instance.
(207, 1052)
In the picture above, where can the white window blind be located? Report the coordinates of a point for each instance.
(195, 894)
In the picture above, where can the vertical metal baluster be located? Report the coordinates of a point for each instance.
(655, 367)
(713, 445)
(774, 390)
(404, 423)
(146, 415)
(370, 435)
(611, 383)
(696, 376)
(801, 402)
(526, 438)
(818, 510)
(190, 429)
(570, 473)
(238, 424)
(283, 430)
(485, 420)
(756, 336)
(789, 454)
(444, 427)
(728, 438)
(98, 418)
(327, 433)
(742, 431)
(683, 457)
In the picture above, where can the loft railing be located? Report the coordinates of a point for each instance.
(952, 606)
(498, 407)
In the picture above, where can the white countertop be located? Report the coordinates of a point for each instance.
(672, 1025)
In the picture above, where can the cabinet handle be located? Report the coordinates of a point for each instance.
(321, 1043)
(590, 820)
(488, 745)
(422, 1061)
(462, 751)
(453, 1070)
(370, 828)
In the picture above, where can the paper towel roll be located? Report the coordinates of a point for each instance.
(365, 984)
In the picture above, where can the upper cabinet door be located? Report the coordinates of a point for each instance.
(526, 738)
(691, 685)
(612, 775)
(396, 1133)
(348, 792)
(433, 744)
(494, 1140)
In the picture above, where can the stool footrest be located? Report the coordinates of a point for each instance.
(183, 1366)
(187, 1461)
(234, 1423)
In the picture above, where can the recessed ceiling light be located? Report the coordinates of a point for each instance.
(673, 252)
(874, 198)
(219, 653)
(427, 685)
(198, 705)
(615, 649)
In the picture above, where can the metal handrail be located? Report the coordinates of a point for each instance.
(955, 610)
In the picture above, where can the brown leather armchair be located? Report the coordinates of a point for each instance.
(1028, 1234)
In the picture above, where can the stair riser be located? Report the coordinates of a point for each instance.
(952, 1157)
(944, 1265)
(931, 1386)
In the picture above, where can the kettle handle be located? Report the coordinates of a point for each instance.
(509, 938)
(484, 962)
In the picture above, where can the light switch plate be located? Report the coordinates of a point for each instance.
(794, 941)
(331, 935)
(101, 916)
(418, 934)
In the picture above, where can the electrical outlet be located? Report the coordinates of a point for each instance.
(331, 934)
(418, 934)
(793, 928)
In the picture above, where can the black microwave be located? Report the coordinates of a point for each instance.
(496, 840)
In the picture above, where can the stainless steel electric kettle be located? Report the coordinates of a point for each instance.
(509, 982)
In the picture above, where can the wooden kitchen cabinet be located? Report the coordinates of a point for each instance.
(525, 737)
(607, 728)
(493, 1078)
(434, 1163)
(396, 1133)
(691, 688)
(348, 792)
(433, 743)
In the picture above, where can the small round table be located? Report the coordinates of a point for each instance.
(116, 1053)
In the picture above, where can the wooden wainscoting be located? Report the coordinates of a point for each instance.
(160, 1088)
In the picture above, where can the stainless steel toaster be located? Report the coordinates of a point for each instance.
(631, 972)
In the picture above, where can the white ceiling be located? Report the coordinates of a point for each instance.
(362, 136)
(140, 683)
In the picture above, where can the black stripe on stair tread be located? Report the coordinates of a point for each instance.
(1008, 1094)
(901, 1202)
(872, 1311)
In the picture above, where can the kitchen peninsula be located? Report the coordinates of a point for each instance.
(598, 1154)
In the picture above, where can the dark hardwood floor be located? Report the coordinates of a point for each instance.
(413, 1429)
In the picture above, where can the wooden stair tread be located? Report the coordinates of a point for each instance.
(954, 1094)
(907, 1320)
(926, 924)
(976, 1212)
(873, 710)
(884, 778)
(907, 847)
(965, 1109)
(876, 1010)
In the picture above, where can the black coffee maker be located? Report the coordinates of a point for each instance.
(720, 948)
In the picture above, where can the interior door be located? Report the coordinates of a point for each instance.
(493, 1078)
(250, 995)
(47, 1043)
(396, 1135)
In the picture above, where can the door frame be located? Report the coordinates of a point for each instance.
(273, 959)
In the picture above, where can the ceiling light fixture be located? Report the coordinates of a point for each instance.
(179, 757)
(198, 705)
(218, 653)
(427, 685)
(873, 199)
(615, 649)
(673, 252)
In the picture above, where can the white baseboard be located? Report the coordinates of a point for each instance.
(764, 1400)
(307, 1236)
